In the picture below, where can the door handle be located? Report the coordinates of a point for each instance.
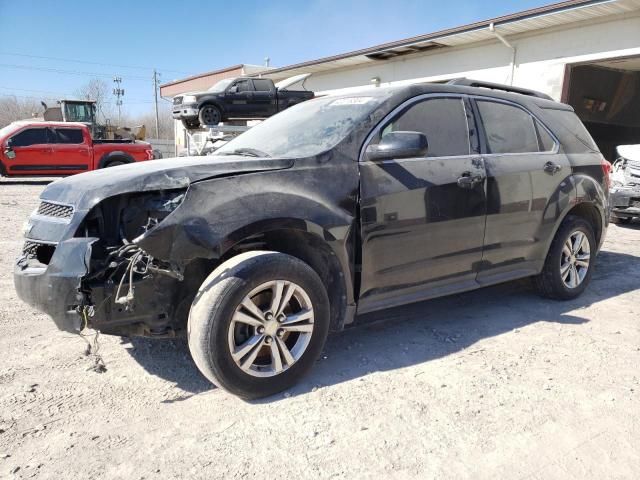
(552, 168)
(468, 181)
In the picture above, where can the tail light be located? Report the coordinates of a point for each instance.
(149, 153)
(606, 170)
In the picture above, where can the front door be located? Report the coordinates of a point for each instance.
(33, 154)
(423, 219)
(524, 170)
(239, 99)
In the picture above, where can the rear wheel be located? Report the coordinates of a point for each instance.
(114, 163)
(569, 264)
(210, 115)
(258, 323)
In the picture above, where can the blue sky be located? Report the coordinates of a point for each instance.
(180, 38)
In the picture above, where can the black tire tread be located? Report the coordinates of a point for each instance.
(546, 283)
(211, 299)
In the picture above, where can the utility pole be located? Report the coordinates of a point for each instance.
(119, 93)
(156, 81)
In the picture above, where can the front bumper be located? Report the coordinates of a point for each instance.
(187, 110)
(625, 201)
(55, 288)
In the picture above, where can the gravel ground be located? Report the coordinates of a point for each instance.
(491, 384)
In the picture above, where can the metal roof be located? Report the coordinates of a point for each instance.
(548, 16)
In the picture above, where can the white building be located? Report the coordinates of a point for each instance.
(585, 53)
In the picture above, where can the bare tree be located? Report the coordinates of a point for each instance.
(165, 122)
(14, 108)
(98, 91)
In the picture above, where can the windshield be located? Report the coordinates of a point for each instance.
(79, 112)
(221, 85)
(306, 129)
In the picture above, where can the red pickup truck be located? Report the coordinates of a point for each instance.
(51, 148)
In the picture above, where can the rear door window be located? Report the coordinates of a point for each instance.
(508, 129)
(262, 85)
(69, 135)
(442, 120)
(30, 136)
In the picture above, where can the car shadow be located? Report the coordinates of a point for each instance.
(416, 333)
(26, 181)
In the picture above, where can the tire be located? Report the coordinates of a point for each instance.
(114, 163)
(214, 331)
(550, 282)
(190, 124)
(209, 115)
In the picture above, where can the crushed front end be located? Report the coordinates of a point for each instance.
(625, 179)
(84, 266)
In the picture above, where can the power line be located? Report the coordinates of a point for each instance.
(86, 62)
(69, 72)
(134, 102)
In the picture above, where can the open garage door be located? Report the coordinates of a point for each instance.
(606, 97)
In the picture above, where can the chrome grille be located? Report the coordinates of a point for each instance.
(49, 209)
(177, 100)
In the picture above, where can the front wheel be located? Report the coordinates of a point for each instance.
(569, 264)
(258, 323)
(209, 115)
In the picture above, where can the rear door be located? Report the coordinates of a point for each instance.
(264, 97)
(71, 150)
(33, 153)
(524, 172)
(422, 220)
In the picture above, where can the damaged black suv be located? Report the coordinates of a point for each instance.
(338, 206)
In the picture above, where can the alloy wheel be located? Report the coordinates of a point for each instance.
(575, 258)
(271, 328)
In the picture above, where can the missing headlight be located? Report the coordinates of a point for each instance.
(145, 210)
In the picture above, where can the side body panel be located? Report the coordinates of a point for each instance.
(520, 192)
(422, 233)
(73, 157)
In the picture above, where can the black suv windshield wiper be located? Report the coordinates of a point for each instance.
(246, 152)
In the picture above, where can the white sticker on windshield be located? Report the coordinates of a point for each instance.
(351, 101)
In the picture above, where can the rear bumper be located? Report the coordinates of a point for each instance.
(55, 288)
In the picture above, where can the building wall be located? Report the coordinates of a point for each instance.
(540, 61)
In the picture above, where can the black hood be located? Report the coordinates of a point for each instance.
(87, 189)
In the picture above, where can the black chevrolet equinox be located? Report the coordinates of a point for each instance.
(338, 206)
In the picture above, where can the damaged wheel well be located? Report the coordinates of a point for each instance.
(311, 250)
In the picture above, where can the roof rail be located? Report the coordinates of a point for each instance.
(467, 82)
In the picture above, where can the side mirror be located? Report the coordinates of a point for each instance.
(399, 145)
(8, 151)
(233, 89)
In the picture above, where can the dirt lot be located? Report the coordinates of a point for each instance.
(493, 384)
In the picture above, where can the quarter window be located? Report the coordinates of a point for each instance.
(508, 129)
(442, 120)
(69, 135)
(30, 136)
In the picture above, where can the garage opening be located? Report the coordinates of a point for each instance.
(606, 97)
